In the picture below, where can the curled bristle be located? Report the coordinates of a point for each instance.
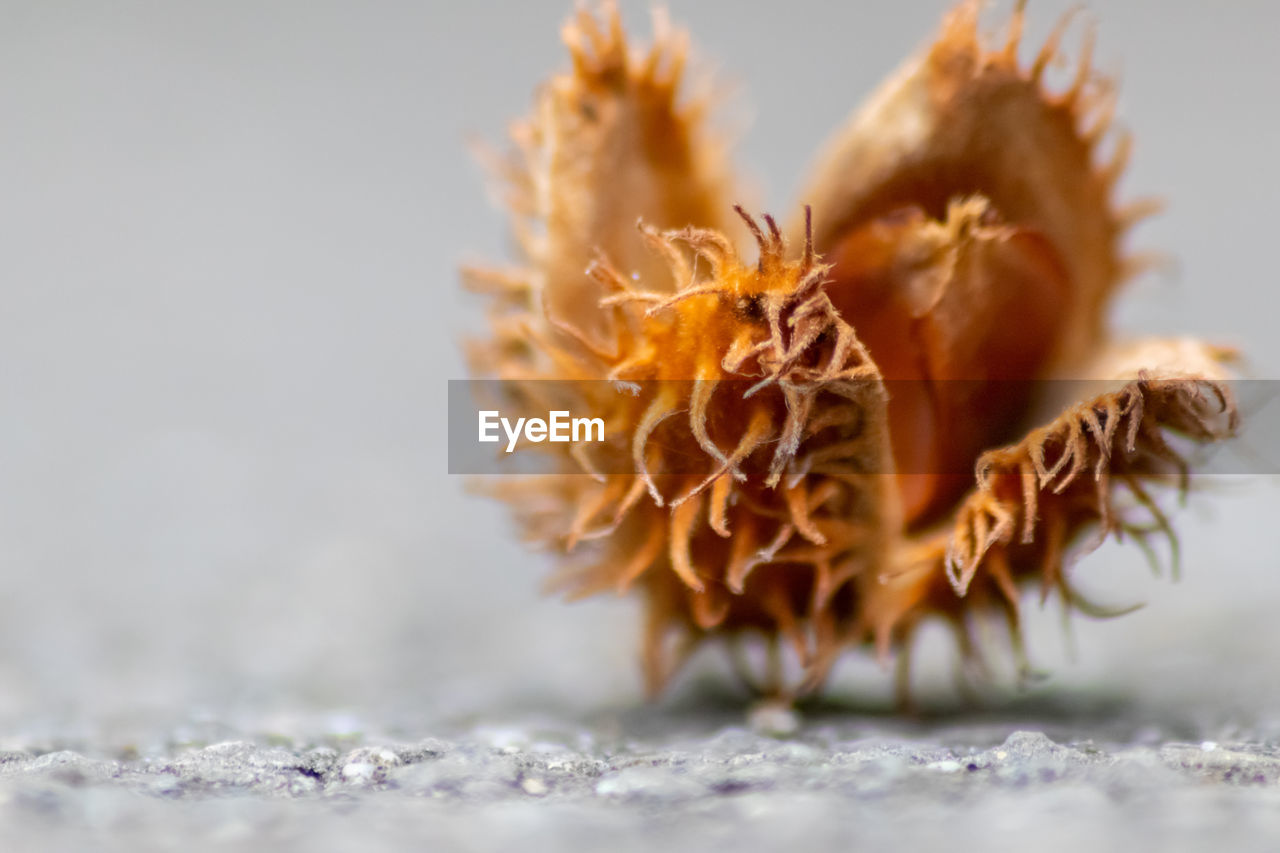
(806, 263)
(1120, 434)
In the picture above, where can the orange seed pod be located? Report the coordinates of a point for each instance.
(955, 255)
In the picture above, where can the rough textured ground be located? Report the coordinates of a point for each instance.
(1045, 776)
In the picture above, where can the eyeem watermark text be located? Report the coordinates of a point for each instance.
(559, 427)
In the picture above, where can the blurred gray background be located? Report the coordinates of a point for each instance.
(229, 235)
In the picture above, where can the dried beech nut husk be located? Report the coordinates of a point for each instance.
(878, 392)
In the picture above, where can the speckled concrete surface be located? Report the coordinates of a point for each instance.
(695, 774)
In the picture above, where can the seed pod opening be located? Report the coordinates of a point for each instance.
(826, 438)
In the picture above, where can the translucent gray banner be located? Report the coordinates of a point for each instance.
(590, 427)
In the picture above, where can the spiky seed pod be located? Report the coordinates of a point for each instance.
(975, 243)
(964, 228)
(750, 369)
(606, 144)
(960, 120)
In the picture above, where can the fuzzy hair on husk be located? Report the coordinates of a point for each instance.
(909, 323)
